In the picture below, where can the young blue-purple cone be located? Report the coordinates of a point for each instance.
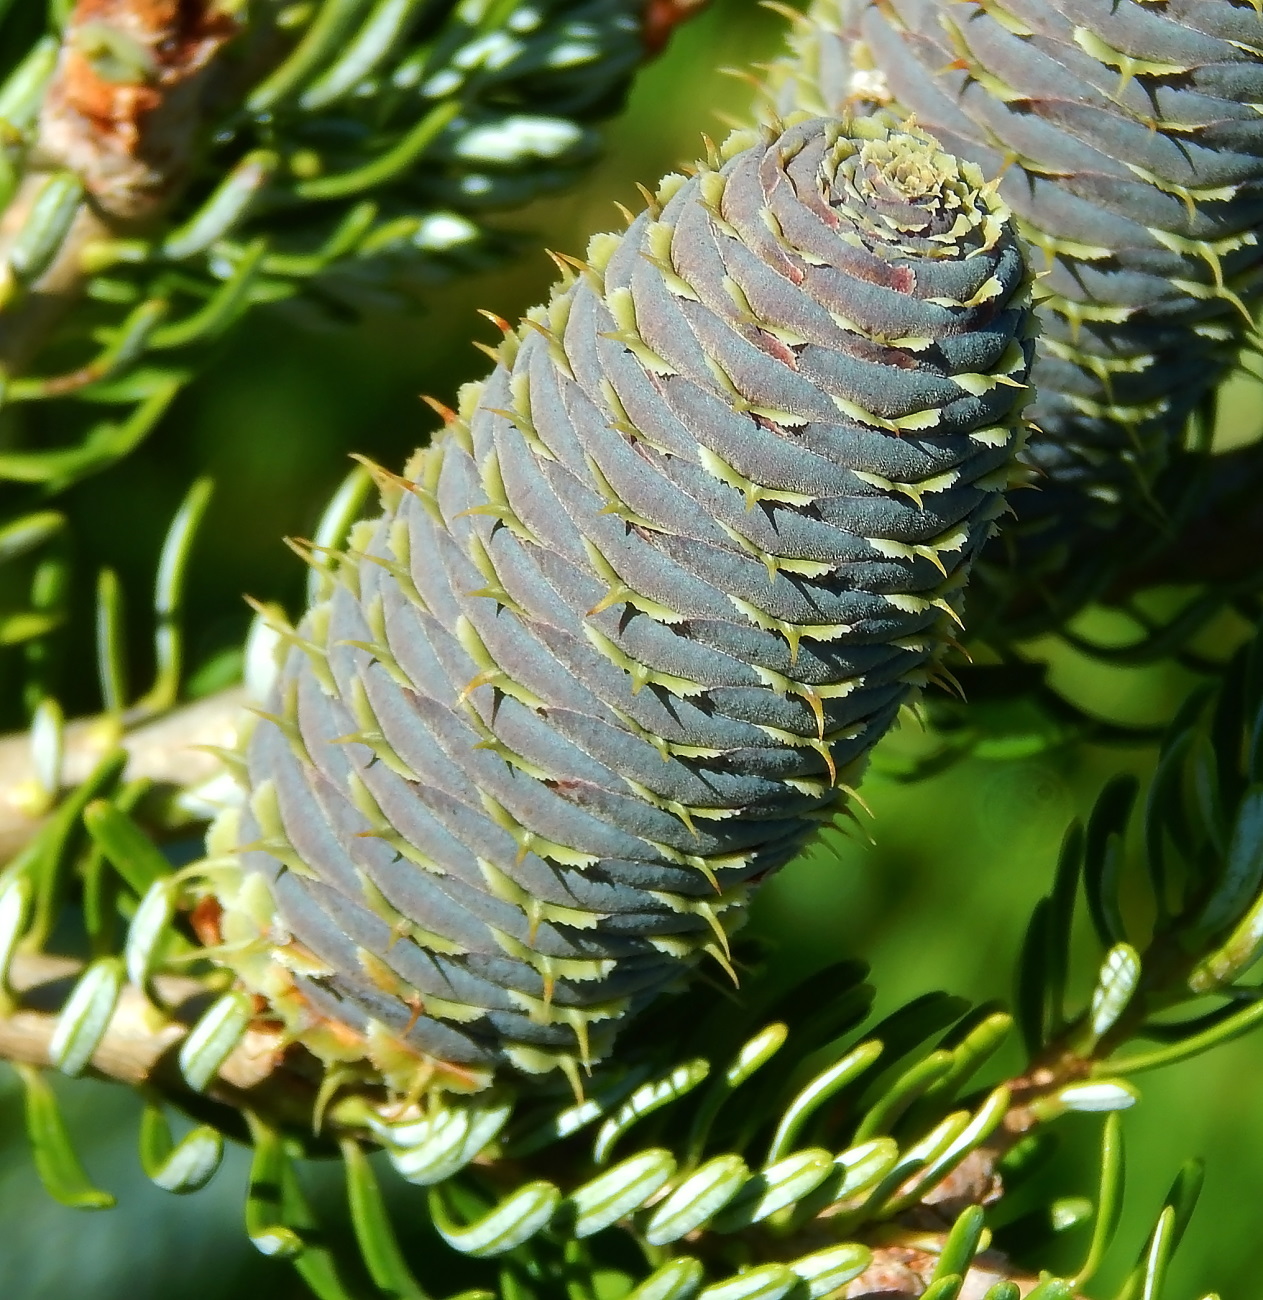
(625, 633)
(1131, 142)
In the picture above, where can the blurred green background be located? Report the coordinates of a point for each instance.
(938, 899)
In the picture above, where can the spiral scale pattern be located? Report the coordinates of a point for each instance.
(1130, 136)
(625, 633)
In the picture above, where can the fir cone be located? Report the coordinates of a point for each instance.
(1130, 138)
(625, 633)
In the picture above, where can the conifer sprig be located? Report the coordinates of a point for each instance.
(619, 641)
(167, 167)
(174, 165)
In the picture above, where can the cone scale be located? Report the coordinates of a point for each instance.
(625, 633)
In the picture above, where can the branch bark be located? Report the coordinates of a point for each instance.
(123, 112)
(905, 1272)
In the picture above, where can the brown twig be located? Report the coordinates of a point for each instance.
(124, 108)
(903, 1271)
(661, 17)
(123, 112)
